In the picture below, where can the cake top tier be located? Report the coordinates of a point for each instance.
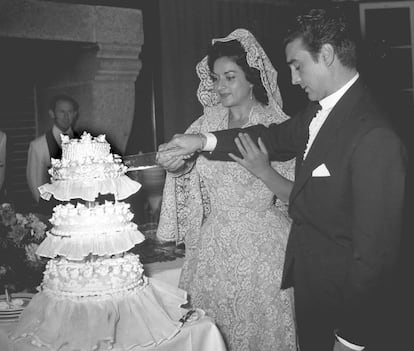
(86, 158)
(87, 149)
(87, 168)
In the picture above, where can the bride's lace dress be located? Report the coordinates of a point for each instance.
(235, 247)
(234, 234)
(238, 265)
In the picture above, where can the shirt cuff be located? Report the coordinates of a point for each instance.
(211, 142)
(348, 344)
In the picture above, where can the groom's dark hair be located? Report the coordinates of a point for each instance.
(325, 26)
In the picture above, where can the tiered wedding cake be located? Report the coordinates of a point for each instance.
(94, 295)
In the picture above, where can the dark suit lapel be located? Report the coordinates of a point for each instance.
(327, 136)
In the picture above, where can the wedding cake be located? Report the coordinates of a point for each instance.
(86, 159)
(87, 168)
(79, 230)
(94, 294)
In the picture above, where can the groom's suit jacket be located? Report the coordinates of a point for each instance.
(346, 202)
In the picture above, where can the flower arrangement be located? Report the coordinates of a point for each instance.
(20, 235)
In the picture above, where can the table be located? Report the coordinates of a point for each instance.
(200, 335)
(167, 271)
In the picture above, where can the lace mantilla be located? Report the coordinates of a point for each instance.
(256, 58)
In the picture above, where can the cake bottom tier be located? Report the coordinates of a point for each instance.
(143, 317)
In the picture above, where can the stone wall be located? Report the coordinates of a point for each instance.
(103, 74)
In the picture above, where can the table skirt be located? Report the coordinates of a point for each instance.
(201, 335)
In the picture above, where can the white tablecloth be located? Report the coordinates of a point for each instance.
(168, 271)
(201, 335)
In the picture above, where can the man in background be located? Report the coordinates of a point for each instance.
(64, 111)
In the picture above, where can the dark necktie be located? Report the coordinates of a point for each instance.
(314, 109)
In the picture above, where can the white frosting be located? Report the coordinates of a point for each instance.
(108, 218)
(94, 277)
(86, 158)
(87, 149)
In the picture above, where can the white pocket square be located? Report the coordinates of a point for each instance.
(321, 171)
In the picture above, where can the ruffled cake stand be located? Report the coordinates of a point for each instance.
(147, 314)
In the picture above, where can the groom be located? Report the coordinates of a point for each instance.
(347, 199)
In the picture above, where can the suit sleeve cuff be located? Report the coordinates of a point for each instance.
(211, 142)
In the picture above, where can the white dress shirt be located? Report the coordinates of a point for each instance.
(38, 161)
(327, 105)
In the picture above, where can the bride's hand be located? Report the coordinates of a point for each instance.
(168, 162)
(254, 158)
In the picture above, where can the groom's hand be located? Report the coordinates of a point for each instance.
(170, 164)
(172, 155)
(182, 145)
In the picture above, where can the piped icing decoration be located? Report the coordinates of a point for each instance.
(86, 158)
(95, 277)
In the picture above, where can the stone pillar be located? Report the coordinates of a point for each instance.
(102, 80)
(106, 93)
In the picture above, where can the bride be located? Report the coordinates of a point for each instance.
(234, 231)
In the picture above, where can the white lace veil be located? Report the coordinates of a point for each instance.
(256, 58)
(185, 203)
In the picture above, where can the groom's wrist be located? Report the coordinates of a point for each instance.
(209, 141)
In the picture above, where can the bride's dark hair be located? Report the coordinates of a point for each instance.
(235, 51)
